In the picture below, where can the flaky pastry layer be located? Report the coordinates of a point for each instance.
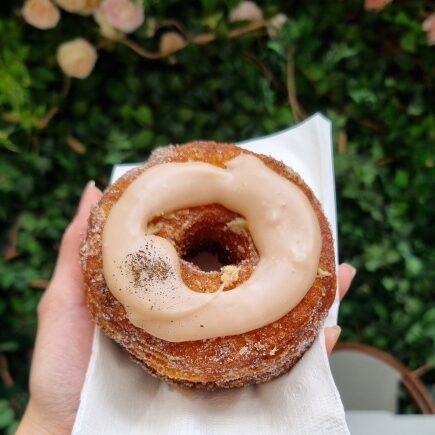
(225, 362)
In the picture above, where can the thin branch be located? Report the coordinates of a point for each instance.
(385, 161)
(422, 370)
(103, 43)
(66, 86)
(251, 27)
(11, 250)
(253, 59)
(41, 123)
(206, 38)
(39, 284)
(76, 145)
(342, 142)
(5, 374)
(45, 120)
(11, 117)
(138, 49)
(201, 39)
(298, 112)
(171, 22)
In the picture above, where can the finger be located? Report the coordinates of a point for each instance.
(346, 273)
(67, 269)
(331, 337)
(91, 194)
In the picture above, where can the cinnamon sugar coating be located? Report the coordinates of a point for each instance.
(225, 362)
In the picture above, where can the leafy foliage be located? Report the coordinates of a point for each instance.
(371, 73)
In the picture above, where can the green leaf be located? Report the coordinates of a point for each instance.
(8, 346)
(6, 414)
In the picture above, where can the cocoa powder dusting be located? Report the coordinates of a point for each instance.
(144, 266)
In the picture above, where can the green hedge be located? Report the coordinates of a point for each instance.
(372, 73)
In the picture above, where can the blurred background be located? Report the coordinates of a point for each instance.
(170, 72)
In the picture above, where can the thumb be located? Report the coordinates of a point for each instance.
(68, 263)
(332, 335)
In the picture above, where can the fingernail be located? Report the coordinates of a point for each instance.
(90, 184)
(351, 269)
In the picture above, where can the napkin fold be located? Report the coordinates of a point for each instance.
(118, 397)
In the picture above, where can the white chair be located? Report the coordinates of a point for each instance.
(368, 379)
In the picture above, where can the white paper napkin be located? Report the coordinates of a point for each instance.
(119, 398)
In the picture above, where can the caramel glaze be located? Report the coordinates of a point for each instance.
(224, 362)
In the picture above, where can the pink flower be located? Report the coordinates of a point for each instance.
(276, 23)
(246, 11)
(124, 15)
(84, 7)
(170, 42)
(106, 29)
(76, 58)
(41, 14)
(429, 27)
(375, 5)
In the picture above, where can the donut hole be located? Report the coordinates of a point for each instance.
(210, 255)
(207, 238)
(205, 251)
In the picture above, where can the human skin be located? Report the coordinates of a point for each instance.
(65, 330)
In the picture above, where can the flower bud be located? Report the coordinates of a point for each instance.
(123, 15)
(276, 23)
(246, 11)
(77, 58)
(429, 27)
(375, 5)
(41, 14)
(84, 7)
(170, 42)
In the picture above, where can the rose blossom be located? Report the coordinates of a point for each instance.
(106, 29)
(375, 5)
(124, 15)
(41, 14)
(429, 27)
(76, 58)
(246, 11)
(84, 7)
(276, 23)
(170, 42)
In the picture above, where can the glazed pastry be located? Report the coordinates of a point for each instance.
(247, 322)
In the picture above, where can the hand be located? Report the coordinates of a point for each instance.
(64, 338)
(346, 273)
(65, 330)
